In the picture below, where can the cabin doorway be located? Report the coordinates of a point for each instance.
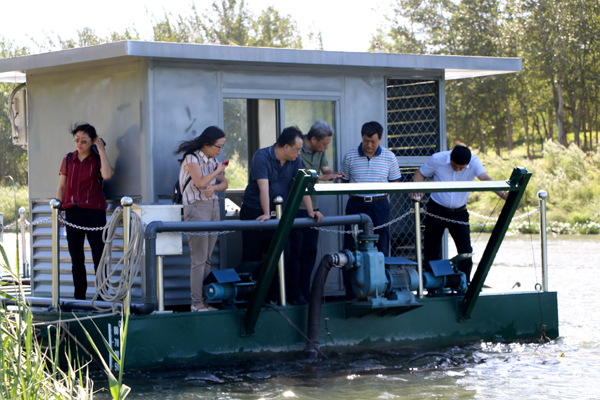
(252, 124)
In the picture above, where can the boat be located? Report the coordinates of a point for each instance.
(145, 97)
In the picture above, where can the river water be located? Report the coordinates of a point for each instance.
(567, 368)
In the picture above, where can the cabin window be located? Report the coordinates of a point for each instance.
(304, 113)
(251, 124)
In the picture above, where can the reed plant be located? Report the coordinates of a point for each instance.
(29, 370)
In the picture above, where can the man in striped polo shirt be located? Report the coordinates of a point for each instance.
(369, 162)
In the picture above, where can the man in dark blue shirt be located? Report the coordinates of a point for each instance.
(272, 173)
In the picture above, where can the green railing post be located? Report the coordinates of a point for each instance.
(302, 181)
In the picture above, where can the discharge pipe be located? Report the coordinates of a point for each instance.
(330, 260)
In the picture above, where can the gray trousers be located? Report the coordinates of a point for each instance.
(201, 247)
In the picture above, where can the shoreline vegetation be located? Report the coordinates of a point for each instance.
(571, 178)
(569, 175)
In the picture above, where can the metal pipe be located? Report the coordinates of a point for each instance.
(278, 202)
(149, 277)
(542, 196)
(160, 282)
(55, 204)
(25, 269)
(234, 225)
(126, 202)
(417, 204)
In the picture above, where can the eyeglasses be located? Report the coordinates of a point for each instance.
(219, 147)
(297, 150)
(82, 141)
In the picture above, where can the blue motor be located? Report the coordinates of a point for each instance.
(229, 287)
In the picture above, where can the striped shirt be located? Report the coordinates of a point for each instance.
(207, 166)
(382, 167)
(83, 188)
(440, 168)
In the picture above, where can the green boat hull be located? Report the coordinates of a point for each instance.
(166, 339)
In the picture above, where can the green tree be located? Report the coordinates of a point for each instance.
(13, 159)
(229, 22)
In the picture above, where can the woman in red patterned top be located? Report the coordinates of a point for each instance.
(80, 191)
(201, 202)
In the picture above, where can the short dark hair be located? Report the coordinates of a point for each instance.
(371, 128)
(288, 136)
(461, 155)
(87, 128)
(320, 130)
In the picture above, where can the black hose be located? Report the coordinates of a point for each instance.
(289, 321)
(314, 305)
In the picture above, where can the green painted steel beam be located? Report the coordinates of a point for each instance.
(520, 178)
(411, 187)
(304, 179)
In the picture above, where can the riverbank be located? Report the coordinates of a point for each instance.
(569, 176)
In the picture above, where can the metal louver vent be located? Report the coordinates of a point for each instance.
(413, 117)
(413, 130)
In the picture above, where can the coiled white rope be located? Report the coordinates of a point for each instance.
(113, 282)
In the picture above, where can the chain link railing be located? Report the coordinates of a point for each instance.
(527, 214)
(83, 228)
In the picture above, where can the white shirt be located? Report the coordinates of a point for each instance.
(440, 168)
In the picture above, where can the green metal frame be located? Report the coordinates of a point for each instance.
(519, 178)
(304, 179)
(304, 184)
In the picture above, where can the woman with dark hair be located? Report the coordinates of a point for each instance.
(201, 202)
(80, 192)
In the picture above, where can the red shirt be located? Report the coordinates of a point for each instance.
(83, 188)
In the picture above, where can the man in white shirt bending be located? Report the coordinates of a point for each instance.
(457, 165)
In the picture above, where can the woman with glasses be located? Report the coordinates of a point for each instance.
(201, 178)
(80, 192)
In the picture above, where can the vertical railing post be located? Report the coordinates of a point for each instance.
(126, 202)
(160, 282)
(417, 204)
(25, 269)
(55, 204)
(542, 196)
(278, 211)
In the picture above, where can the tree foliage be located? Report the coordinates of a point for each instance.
(554, 97)
(230, 22)
(13, 159)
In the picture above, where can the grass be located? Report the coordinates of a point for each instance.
(29, 370)
(571, 178)
(7, 201)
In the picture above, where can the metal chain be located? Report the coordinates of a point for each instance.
(38, 222)
(360, 230)
(527, 214)
(204, 233)
(411, 211)
(481, 216)
(334, 230)
(83, 228)
(15, 224)
(9, 227)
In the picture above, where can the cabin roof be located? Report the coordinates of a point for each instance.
(453, 67)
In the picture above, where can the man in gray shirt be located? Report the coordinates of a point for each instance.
(303, 242)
